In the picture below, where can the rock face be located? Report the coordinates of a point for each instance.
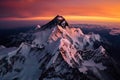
(58, 20)
(56, 51)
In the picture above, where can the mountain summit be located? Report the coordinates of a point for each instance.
(58, 20)
(58, 52)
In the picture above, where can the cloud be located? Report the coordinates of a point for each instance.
(115, 31)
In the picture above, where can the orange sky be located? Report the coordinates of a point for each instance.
(83, 10)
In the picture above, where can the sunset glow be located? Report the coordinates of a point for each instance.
(72, 18)
(76, 10)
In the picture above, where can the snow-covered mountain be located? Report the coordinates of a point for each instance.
(57, 51)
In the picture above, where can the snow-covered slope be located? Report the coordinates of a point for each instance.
(57, 51)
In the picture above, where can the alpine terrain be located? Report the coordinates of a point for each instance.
(57, 51)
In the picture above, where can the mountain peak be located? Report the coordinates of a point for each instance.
(58, 17)
(58, 20)
(57, 52)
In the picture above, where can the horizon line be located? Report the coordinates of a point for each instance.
(70, 18)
